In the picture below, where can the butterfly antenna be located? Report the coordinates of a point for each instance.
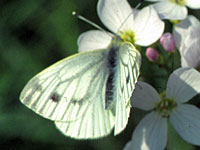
(109, 33)
(88, 21)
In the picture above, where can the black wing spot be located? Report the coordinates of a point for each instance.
(128, 79)
(55, 97)
(79, 102)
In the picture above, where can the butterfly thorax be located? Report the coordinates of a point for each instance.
(110, 86)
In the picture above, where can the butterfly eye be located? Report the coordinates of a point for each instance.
(55, 97)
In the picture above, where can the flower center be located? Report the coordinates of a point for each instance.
(127, 36)
(179, 2)
(165, 106)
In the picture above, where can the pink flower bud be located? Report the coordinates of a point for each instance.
(167, 41)
(152, 54)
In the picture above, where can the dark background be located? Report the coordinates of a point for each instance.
(33, 35)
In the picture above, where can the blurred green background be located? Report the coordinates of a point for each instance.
(33, 35)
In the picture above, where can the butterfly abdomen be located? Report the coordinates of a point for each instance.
(112, 55)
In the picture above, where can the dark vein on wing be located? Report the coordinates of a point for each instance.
(94, 77)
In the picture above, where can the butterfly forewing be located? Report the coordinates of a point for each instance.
(64, 91)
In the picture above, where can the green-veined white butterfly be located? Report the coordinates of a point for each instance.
(87, 94)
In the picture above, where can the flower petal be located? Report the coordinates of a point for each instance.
(183, 84)
(144, 96)
(180, 31)
(190, 53)
(150, 133)
(169, 10)
(94, 39)
(186, 121)
(114, 13)
(148, 27)
(194, 4)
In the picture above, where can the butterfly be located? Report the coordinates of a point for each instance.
(87, 94)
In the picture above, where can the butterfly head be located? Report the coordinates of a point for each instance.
(123, 36)
(116, 41)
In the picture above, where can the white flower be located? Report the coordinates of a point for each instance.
(187, 38)
(117, 15)
(174, 9)
(151, 132)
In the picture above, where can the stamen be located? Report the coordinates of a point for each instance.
(127, 36)
(165, 106)
(179, 2)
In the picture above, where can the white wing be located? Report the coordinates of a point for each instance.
(69, 89)
(97, 123)
(127, 70)
(72, 92)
